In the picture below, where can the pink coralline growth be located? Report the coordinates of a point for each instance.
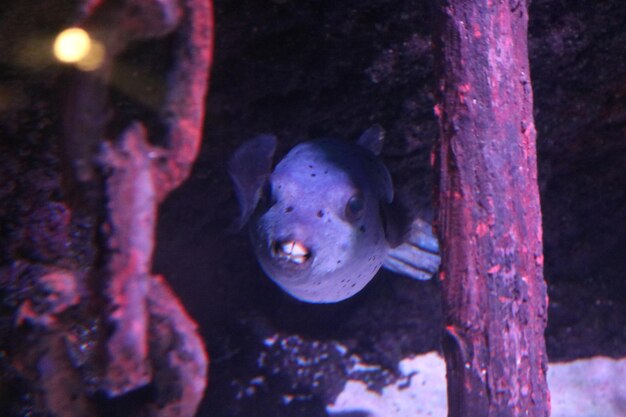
(110, 328)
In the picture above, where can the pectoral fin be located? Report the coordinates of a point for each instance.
(249, 168)
(418, 257)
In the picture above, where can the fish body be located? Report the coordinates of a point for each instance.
(320, 223)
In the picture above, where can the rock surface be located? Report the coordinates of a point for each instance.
(582, 388)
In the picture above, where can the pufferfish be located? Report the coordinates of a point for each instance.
(323, 222)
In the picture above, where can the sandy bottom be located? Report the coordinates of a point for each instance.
(593, 387)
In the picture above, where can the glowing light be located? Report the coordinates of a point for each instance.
(75, 46)
(72, 45)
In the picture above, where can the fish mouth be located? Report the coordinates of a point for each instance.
(291, 250)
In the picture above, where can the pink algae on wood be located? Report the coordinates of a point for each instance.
(489, 220)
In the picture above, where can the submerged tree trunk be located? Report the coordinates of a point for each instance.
(489, 221)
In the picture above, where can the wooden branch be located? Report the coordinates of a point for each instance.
(114, 328)
(489, 217)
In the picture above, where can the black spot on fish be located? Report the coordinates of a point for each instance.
(339, 261)
(313, 174)
(320, 213)
(310, 166)
(353, 285)
(289, 209)
(362, 228)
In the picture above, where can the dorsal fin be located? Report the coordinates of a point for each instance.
(373, 139)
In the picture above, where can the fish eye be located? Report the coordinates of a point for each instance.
(355, 207)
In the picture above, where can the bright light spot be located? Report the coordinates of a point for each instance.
(75, 46)
(72, 45)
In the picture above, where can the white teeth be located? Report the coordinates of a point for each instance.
(297, 259)
(287, 247)
(294, 251)
(299, 250)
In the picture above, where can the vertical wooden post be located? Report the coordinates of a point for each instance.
(489, 217)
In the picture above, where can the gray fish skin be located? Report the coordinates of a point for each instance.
(320, 231)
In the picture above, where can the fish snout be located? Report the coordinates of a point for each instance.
(291, 250)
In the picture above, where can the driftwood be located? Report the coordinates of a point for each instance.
(489, 218)
(105, 336)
